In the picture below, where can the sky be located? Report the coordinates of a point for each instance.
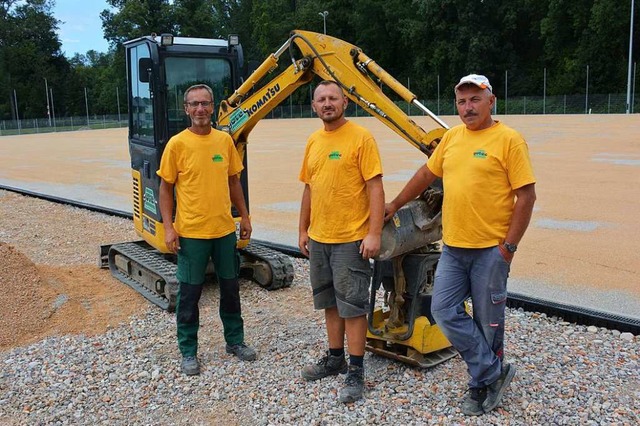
(80, 29)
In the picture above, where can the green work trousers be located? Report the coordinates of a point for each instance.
(193, 257)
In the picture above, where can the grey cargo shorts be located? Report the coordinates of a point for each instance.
(340, 277)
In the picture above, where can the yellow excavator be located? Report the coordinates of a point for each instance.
(161, 67)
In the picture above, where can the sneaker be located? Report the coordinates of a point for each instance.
(242, 351)
(353, 385)
(328, 365)
(496, 389)
(190, 366)
(472, 402)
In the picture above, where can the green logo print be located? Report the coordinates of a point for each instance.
(335, 155)
(217, 158)
(481, 153)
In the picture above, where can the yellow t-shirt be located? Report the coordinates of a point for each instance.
(336, 166)
(480, 171)
(199, 167)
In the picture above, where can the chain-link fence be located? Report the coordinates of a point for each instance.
(64, 124)
(527, 105)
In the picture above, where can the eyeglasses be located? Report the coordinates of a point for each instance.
(194, 104)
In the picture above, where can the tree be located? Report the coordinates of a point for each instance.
(29, 53)
(137, 18)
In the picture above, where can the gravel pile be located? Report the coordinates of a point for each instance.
(567, 374)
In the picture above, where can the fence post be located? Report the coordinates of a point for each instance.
(505, 92)
(586, 93)
(544, 93)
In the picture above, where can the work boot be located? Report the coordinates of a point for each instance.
(328, 365)
(472, 402)
(496, 389)
(242, 351)
(190, 366)
(353, 385)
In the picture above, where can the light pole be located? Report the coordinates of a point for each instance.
(324, 19)
(630, 60)
(46, 92)
(86, 105)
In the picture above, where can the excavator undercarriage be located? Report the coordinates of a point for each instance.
(153, 273)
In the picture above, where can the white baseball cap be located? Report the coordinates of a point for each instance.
(479, 80)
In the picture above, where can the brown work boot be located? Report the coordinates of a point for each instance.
(328, 365)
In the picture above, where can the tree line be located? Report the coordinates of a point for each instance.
(426, 44)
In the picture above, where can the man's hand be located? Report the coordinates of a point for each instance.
(370, 246)
(245, 228)
(389, 210)
(303, 243)
(506, 254)
(171, 239)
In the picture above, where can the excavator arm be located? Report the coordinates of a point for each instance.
(329, 58)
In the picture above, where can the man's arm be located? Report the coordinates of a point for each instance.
(166, 211)
(237, 199)
(522, 210)
(371, 243)
(305, 221)
(418, 183)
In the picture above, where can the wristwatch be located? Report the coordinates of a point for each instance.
(511, 248)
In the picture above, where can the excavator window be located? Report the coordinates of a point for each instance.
(183, 72)
(141, 103)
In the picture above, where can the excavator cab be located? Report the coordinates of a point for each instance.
(159, 70)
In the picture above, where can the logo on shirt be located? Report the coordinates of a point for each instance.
(335, 155)
(217, 158)
(481, 153)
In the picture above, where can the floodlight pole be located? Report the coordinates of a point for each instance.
(630, 60)
(46, 92)
(324, 19)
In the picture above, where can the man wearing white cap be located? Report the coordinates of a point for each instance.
(489, 193)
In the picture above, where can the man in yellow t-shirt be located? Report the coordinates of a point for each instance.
(203, 166)
(340, 226)
(489, 193)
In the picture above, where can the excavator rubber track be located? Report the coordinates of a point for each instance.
(147, 271)
(153, 275)
(270, 269)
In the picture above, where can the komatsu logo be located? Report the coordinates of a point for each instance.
(271, 92)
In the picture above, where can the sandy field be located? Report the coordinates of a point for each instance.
(581, 247)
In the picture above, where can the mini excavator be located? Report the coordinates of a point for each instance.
(159, 70)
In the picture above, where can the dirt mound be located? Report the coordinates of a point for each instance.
(40, 301)
(26, 299)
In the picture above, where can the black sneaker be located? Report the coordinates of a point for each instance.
(353, 385)
(242, 351)
(190, 366)
(496, 389)
(328, 365)
(472, 402)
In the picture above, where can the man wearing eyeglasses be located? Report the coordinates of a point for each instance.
(203, 166)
